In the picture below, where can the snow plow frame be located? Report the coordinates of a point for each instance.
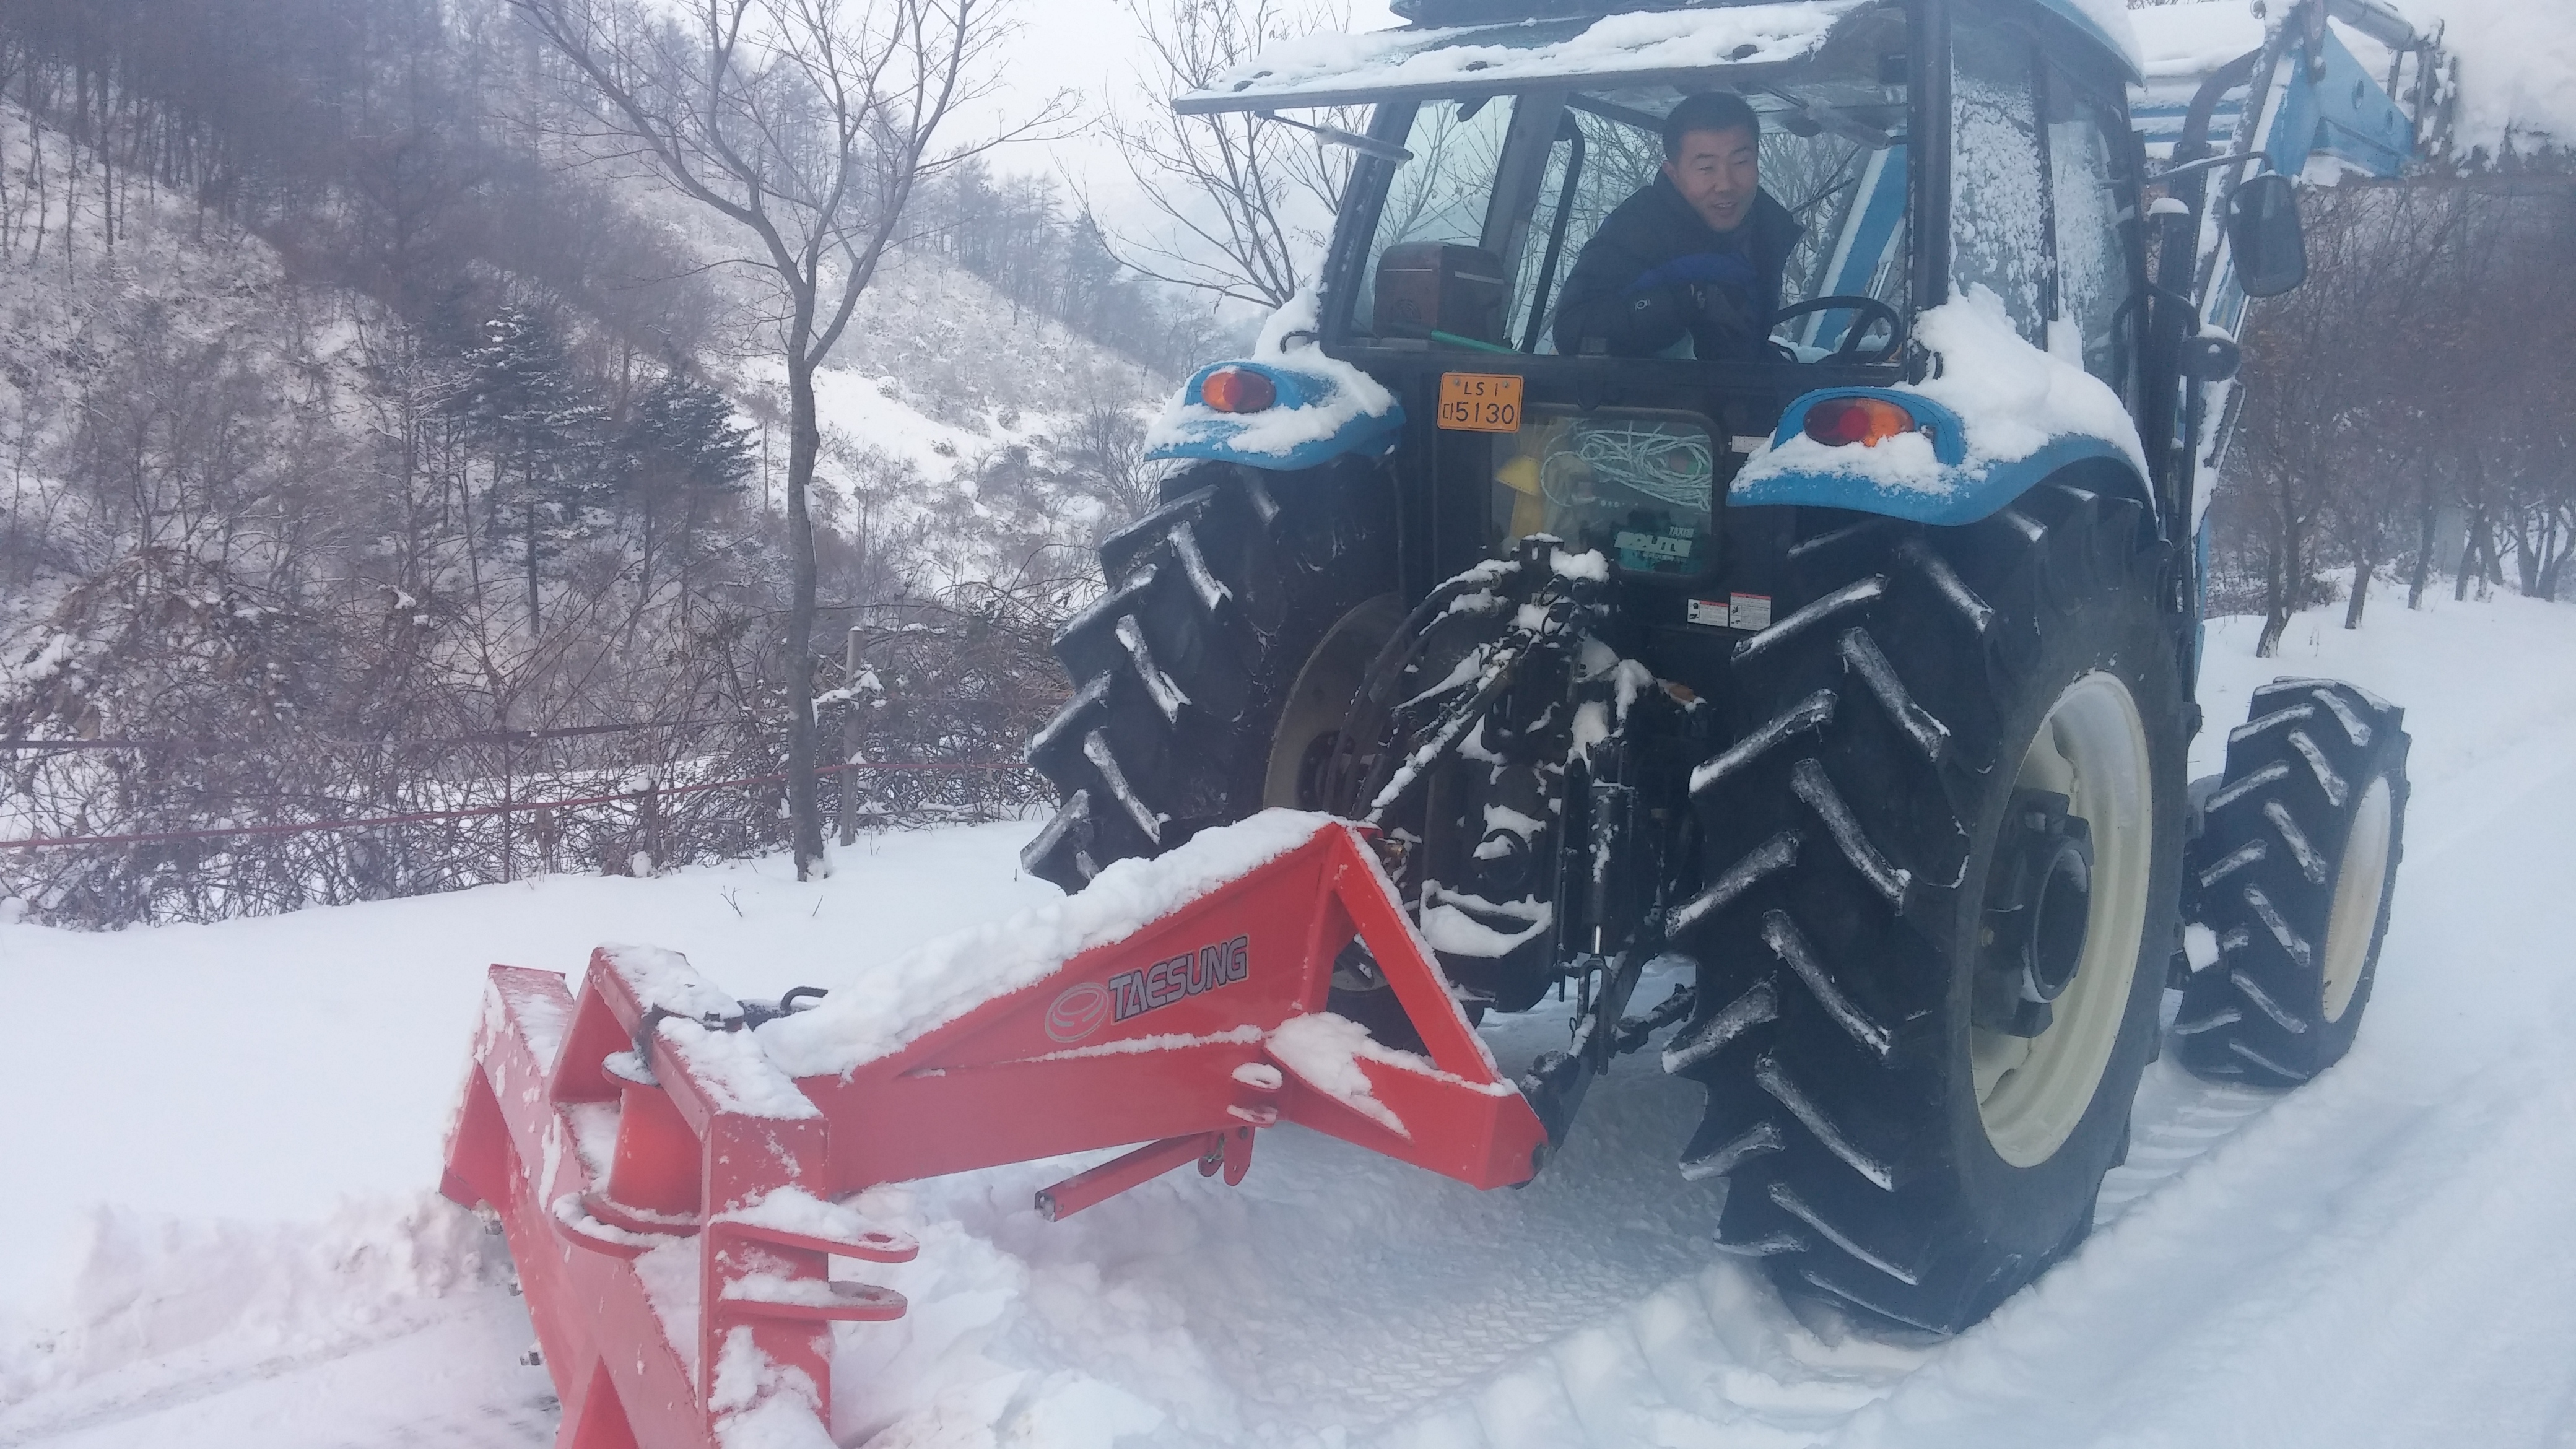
(642, 1150)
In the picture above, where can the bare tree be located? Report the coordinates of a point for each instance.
(1246, 203)
(2326, 455)
(2537, 495)
(808, 124)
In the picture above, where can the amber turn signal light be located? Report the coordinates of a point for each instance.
(1842, 421)
(1233, 390)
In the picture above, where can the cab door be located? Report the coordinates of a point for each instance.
(2044, 190)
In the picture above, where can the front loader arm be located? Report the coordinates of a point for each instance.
(2305, 99)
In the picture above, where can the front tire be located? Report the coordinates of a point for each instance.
(1940, 865)
(2294, 875)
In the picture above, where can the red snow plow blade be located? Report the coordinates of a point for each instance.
(669, 1167)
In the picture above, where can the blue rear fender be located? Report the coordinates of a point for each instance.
(1317, 417)
(1935, 484)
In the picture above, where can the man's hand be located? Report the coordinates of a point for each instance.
(1704, 296)
(1653, 320)
(1725, 313)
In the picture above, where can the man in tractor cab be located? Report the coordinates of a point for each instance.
(1697, 254)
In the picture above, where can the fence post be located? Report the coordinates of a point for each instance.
(507, 800)
(648, 822)
(850, 742)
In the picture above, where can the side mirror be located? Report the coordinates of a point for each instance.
(2264, 232)
(2211, 359)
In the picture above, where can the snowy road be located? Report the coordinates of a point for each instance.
(215, 1231)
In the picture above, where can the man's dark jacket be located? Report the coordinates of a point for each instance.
(1656, 270)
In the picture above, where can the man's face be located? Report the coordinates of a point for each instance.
(1719, 173)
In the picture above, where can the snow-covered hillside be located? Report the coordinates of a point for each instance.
(937, 379)
(216, 1228)
(183, 283)
(941, 376)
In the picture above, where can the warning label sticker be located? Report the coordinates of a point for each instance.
(1749, 612)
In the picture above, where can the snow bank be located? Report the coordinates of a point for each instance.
(880, 412)
(142, 1294)
(882, 1008)
(264, 1072)
(2012, 399)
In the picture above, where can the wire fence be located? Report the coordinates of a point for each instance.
(107, 832)
(271, 793)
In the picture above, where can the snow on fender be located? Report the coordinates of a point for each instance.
(1324, 407)
(1999, 417)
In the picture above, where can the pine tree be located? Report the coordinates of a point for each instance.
(680, 455)
(522, 400)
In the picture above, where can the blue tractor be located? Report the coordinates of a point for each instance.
(1828, 638)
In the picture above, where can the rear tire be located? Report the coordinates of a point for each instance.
(1889, 1132)
(2295, 872)
(1229, 611)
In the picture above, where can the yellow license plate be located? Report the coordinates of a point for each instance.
(1480, 402)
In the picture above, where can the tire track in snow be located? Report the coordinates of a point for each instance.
(1726, 1362)
(450, 1382)
(2486, 766)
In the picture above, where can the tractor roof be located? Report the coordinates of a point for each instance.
(1533, 42)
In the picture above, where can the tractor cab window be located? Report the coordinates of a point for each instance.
(2099, 247)
(1998, 170)
(1638, 485)
(1833, 154)
(1434, 273)
(1477, 234)
(1596, 160)
(2044, 199)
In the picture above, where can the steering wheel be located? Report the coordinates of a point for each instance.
(1870, 309)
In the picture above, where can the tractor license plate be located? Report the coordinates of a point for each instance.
(1480, 402)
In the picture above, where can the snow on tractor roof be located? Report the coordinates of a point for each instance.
(1327, 70)
(1334, 69)
(2191, 41)
(2105, 20)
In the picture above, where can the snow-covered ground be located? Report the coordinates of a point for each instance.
(217, 1229)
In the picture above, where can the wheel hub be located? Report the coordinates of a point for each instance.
(1314, 765)
(2066, 908)
(2037, 905)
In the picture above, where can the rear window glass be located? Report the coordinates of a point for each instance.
(1639, 486)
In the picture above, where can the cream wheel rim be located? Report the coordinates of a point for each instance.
(2032, 1091)
(1320, 700)
(2354, 917)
